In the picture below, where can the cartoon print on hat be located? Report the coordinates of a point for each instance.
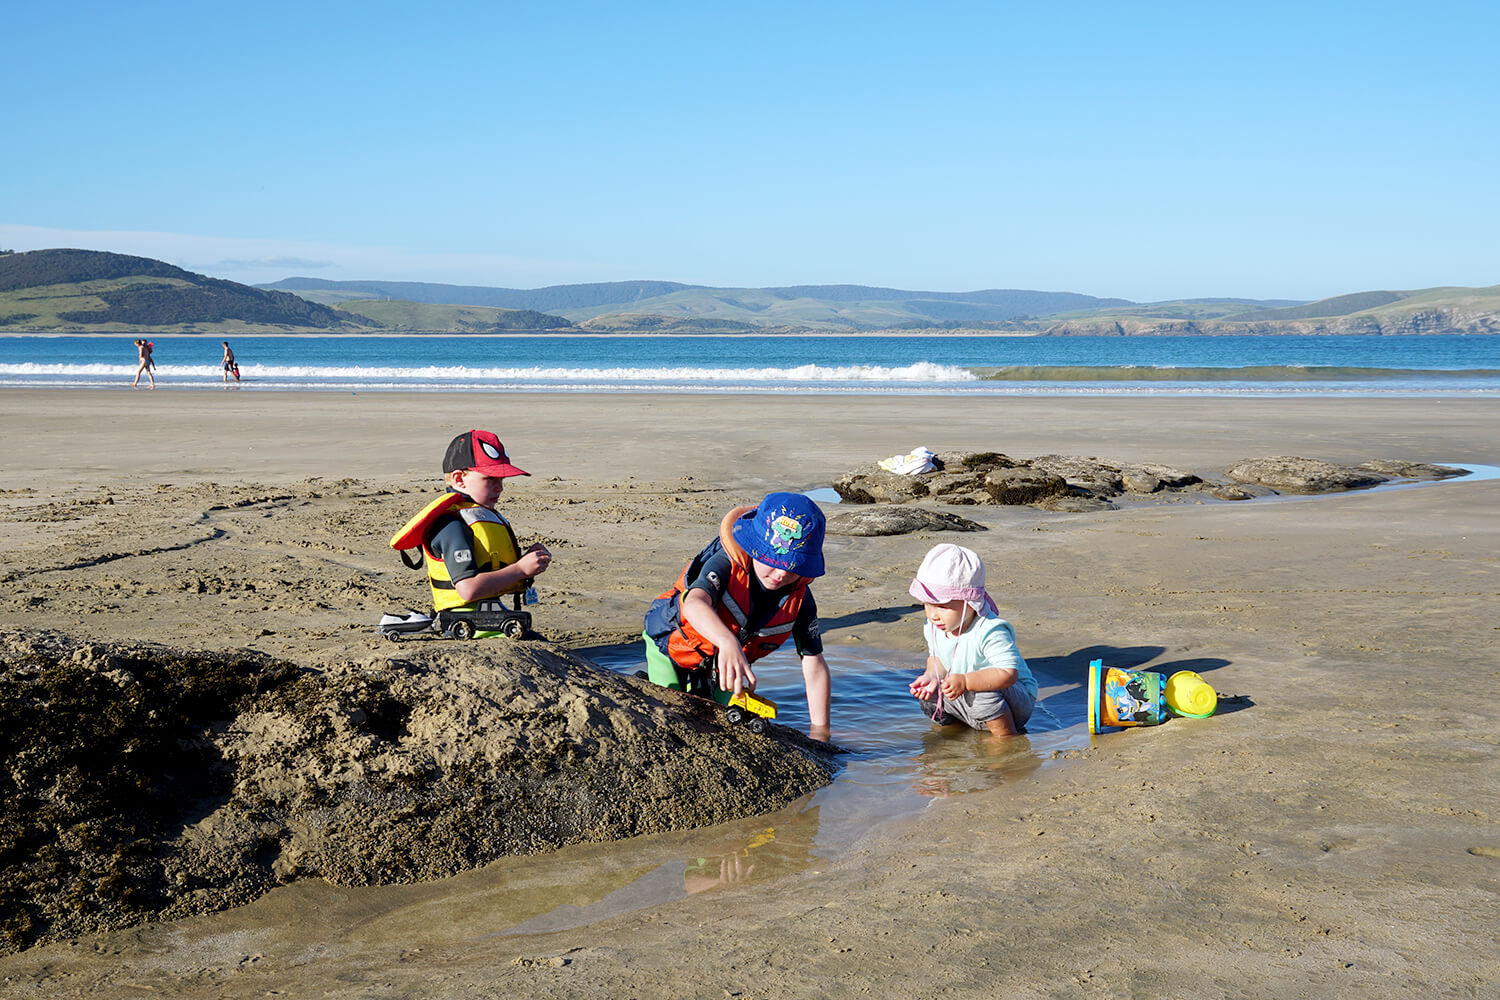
(482, 452)
(785, 531)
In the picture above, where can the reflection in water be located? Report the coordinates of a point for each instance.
(783, 843)
(896, 761)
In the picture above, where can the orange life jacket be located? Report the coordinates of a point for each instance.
(689, 649)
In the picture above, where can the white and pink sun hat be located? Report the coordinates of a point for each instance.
(951, 573)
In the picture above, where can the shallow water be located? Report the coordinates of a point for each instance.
(896, 763)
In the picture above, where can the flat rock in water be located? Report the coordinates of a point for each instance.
(886, 520)
(1076, 504)
(1411, 470)
(1023, 486)
(878, 486)
(946, 484)
(1091, 475)
(144, 782)
(1239, 491)
(973, 461)
(1148, 477)
(1289, 474)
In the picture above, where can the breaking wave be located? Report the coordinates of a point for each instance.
(920, 372)
(1249, 373)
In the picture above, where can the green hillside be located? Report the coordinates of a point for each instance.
(833, 307)
(425, 317)
(552, 299)
(1339, 305)
(92, 291)
(653, 323)
(1448, 309)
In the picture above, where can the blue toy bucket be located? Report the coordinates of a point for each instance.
(1125, 697)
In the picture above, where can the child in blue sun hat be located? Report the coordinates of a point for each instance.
(741, 598)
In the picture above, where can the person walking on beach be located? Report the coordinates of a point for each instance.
(739, 599)
(228, 364)
(143, 363)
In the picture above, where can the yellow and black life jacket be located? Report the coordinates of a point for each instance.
(495, 545)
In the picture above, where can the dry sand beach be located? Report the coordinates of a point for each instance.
(1334, 835)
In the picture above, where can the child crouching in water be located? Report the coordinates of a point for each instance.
(975, 674)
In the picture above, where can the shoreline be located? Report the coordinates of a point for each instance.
(925, 332)
(872, 334)
(1293, 841)
(281, 434)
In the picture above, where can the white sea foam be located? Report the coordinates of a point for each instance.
(922, 371)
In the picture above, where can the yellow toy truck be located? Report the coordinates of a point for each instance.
(752, 710)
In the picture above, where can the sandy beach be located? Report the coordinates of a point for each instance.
(1334, 835)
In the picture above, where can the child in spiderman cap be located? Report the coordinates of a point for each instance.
(471, 551)
(739, 599)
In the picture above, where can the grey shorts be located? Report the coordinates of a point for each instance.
(978, 707)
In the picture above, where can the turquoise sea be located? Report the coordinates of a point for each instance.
(977, 365)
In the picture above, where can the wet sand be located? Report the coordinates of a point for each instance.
(1333, 835)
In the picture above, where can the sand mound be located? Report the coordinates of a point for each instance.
(144, 781)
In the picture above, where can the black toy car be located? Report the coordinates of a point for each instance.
(490, 616)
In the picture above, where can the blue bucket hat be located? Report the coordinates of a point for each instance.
(785, 531)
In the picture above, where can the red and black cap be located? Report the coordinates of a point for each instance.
(482, 452)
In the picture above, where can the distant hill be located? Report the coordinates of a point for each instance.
(84, 290)
(652, 323)
(1339, 305)
(93, 291)
(555, 298)
(425, 317)
(849, 307)
(1447, 309)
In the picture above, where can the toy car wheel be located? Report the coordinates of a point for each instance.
(735, 716)
(757, 725)
(393, 636)
(514, 628)
(463, 630)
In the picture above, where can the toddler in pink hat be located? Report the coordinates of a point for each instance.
(975, 674)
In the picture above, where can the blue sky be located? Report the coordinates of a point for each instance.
(1147, 151)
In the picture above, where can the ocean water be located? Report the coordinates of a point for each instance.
(1295, 366)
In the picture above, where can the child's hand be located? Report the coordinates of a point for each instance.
(924, 687)
(954, 685)
(734, 670)
(536, 560)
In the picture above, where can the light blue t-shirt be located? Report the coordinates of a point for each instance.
(989, 642)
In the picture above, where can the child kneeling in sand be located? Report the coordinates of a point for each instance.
(471, 551)
(739, 599)
(975, 674)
